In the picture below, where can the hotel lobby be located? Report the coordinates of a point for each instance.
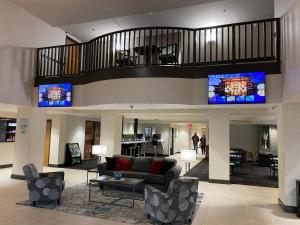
(136, 112)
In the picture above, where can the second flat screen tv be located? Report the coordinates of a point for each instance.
(239, 88)
(55, 95)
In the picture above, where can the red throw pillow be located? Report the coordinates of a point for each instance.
(123, 164)
(156, 166)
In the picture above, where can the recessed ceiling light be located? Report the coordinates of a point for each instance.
(93, 28)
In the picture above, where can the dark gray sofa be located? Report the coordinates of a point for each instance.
(141, 169)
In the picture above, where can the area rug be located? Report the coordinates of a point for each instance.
(75, 200)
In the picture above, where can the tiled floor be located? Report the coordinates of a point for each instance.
(222, 205)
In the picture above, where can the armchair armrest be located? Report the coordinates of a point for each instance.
(102, 168)
(54, 174)
(172, 174)
(149, 191)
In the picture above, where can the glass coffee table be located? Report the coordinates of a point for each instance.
(109, 182)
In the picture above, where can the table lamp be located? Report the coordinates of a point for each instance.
(188, 156)
(100, 150)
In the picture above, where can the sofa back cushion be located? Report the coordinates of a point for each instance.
(167, 165)
(156, 165)
(141, 164)
(123, 163)
(111, 163)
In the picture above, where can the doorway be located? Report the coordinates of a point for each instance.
(47, 141)
(92, 137)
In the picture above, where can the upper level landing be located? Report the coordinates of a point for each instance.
(165, 52)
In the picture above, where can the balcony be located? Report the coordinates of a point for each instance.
(164, 52)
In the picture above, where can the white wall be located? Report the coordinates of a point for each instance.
(20, 28)
(29, 145)
(288, 151)
(219, 146)
(20, 33)
(65, 129)
(111, 132)
(282, 6)
(182, 138)
(244, 136)
(291, 52)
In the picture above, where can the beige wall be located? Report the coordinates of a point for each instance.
(157, 91)
(20, 33)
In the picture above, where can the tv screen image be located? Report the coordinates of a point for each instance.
(239, 88)
(55, 95)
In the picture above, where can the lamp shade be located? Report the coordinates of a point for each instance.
(188, 155)
(99, 150)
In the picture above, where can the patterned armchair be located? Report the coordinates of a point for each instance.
(43, 187)
(177, 205)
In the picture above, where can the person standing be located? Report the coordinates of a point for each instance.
(203, 144)
(195, 140)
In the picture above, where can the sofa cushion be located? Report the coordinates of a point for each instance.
(141, 164)
(123, 164)
(111, 163)
(135, 174)
(156, 165)
(155, 179)
(166, 166)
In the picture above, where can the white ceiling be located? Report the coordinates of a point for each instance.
(87, 19)
(64, 12)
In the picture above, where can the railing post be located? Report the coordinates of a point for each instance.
(194, 46)
(150, 47)
(278, 40)
(233, 45)
(37, 63)
(111, 50)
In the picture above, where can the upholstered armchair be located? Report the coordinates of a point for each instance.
(43, 187)
(177, 205)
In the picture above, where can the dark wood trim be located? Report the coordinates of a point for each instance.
(17, 177)
(161, 71)
(287, 208)
(6, 166)
(56, 165)
(216, 181)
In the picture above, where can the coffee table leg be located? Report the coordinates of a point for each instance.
(87, 177)
(90, 186)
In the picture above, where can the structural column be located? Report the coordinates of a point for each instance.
(288, 153)
(219, 169)
(111, 132)
(29, 144)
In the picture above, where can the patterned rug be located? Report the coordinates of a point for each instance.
(75, 200)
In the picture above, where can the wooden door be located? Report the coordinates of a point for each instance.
(72, 57)
(92, 137)
(47, 141)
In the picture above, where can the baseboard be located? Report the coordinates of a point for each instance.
(56, 165)
(17, 177)
(6, 166)
(219, 181)
(287, 208)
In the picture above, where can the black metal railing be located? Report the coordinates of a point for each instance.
(257, 41)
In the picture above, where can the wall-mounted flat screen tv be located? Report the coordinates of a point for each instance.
(55, 95)
(238, 88)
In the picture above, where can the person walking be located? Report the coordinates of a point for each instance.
(195, 140)
(203, 144)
